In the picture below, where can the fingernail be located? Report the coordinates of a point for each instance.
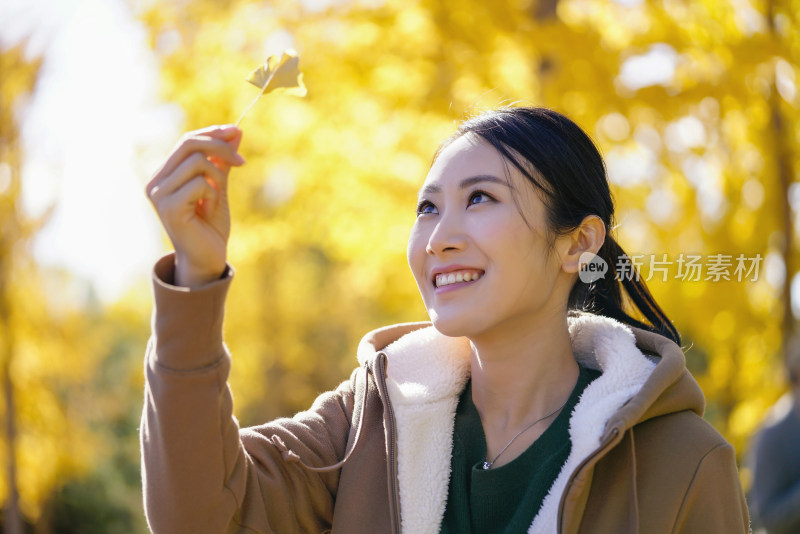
(239, 160)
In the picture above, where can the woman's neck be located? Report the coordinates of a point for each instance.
(523, 373)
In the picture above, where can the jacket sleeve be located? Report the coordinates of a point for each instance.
(714, 502)
(200, 473)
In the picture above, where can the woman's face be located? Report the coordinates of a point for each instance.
(478, 263)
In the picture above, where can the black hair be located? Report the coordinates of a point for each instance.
(562, 162)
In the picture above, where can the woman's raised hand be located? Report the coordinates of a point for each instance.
(190, 195)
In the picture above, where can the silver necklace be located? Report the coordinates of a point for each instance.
(487, 464)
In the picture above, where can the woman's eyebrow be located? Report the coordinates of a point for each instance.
(467, 182)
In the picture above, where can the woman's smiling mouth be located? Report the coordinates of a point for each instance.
(456, 277)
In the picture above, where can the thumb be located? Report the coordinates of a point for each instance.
(235, 139)
(232, 136)
(230, 133)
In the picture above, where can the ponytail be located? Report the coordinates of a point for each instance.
(605, 295)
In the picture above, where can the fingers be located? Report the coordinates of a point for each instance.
(233, 141)
(196, 165)
(196, 192)
(209, 146)
(196, 197)
(218, 143)
(218, 131)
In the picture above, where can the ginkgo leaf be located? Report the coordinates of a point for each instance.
(277, 74)
(280, 73)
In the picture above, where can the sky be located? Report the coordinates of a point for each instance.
(92, 133)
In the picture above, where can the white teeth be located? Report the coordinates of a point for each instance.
(454, 278)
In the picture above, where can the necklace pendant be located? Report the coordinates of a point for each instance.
(486, 466)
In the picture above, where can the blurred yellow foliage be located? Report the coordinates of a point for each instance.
(693, 104)
(64, 361)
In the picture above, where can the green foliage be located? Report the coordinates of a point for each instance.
(100, 503)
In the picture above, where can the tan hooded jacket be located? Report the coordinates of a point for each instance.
(373, 456)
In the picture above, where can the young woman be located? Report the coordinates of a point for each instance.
(533, 403)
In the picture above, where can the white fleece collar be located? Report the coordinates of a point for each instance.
(426, 374)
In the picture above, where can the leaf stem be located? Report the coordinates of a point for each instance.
(263, 90)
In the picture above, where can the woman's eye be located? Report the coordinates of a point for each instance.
(425, 208)
(479, 197)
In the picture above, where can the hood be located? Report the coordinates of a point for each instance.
(666, 387)
(644, 375)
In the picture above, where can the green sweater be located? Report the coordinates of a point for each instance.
(504, 499)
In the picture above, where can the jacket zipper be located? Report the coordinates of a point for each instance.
(392, 446)
(568, 487)
(380, 376)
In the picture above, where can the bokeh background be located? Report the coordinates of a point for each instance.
(694, 104)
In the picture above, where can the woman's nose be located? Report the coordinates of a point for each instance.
(447, 235)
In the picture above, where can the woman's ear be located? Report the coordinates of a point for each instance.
(589, 236)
